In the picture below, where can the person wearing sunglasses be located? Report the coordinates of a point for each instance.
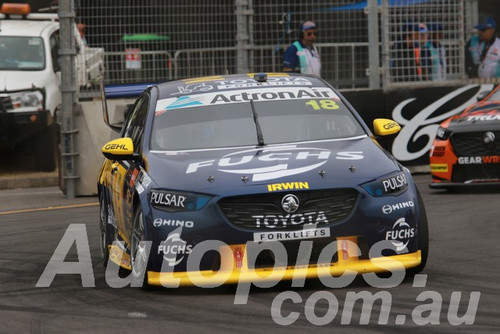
(303, 56)
(482, 52)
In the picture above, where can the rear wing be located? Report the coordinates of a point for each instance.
(127, 90)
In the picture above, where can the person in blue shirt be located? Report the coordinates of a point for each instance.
(303, 56)
(438, 52)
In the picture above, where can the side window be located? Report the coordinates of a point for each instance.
(54, 51)
(136, 121)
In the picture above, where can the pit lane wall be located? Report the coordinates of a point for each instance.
(419, 111)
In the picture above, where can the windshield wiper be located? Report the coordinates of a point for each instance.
(260, 139)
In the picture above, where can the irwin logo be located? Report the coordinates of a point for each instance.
(287, 186)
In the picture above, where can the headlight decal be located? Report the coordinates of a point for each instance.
(173, 201)
(442, 133)
(391, 185)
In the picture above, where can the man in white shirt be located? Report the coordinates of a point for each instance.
(482, 57)
(303, 56)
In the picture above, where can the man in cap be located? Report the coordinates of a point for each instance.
(410, 60)
(303, 56)
(482, 52)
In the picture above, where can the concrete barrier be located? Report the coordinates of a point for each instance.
(92, 134)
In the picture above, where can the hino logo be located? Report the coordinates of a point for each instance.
(274, 162)
(389, 208)
(158, 222)
(290, 203)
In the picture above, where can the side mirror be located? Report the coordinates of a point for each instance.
(385, 127)
(120, 149)
(105, 113)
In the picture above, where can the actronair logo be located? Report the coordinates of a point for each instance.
(272, 95)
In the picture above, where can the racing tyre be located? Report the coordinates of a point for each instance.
(45, 149)
(103, 226)
(139, 254)
(423, 238)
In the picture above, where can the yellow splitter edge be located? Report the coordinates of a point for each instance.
(232, 272)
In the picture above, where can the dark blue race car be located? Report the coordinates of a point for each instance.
(254, 178)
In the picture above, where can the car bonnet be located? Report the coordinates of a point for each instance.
(323, 164)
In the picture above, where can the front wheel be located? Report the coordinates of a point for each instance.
(423, 238)
(139, 254)
(103, 226)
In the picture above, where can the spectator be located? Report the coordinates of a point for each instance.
(81, 29)
(303, 56)
(410, 61)
(482, 52)
(438, 52)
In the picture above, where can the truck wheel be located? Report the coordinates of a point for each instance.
(45, 149)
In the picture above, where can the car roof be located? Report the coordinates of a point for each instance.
(27, 28)
(224, 83)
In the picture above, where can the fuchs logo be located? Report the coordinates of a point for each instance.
(290, 203)
(400, 234)
(274, 162)
(174, 246)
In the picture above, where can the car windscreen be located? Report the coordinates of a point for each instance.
(233, 124)
(21, 53)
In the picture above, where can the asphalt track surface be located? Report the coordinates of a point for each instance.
(463, 262)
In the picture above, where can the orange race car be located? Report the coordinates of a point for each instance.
(466, 150)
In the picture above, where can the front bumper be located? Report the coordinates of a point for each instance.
(471, 184)
(245, 275)
(235, 269)
(17, 126)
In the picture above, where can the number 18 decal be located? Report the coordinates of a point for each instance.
(322, 104)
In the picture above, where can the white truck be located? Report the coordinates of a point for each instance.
(30, 80)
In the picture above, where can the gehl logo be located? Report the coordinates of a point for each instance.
(116, 147)
(389, 126)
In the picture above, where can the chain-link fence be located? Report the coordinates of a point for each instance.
(424, 41)
(154, 40)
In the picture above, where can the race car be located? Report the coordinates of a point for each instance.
(466, 149)
(255, 177)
